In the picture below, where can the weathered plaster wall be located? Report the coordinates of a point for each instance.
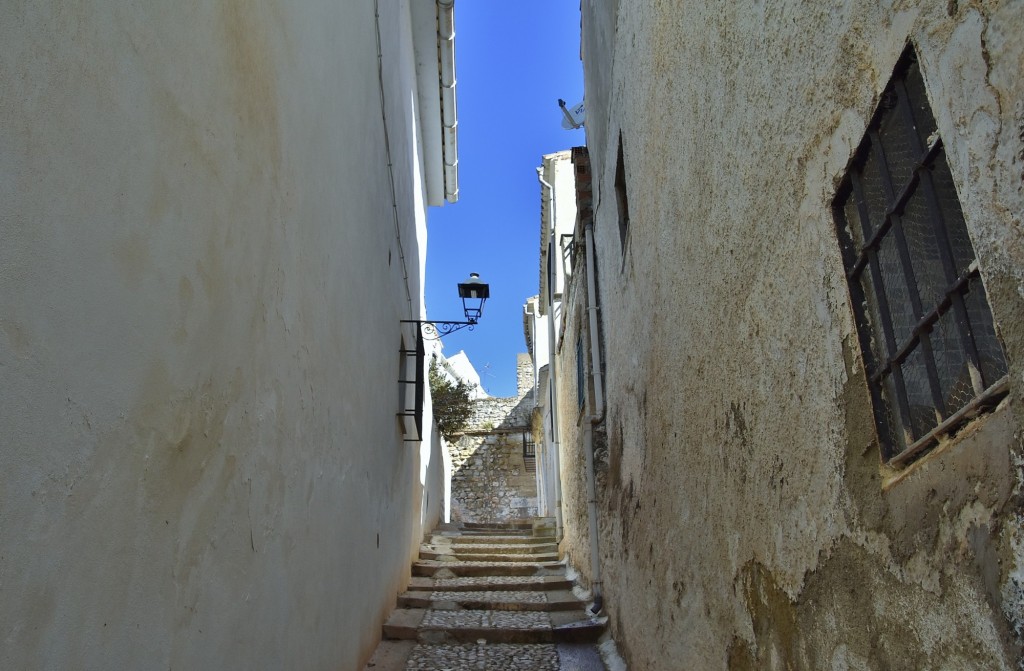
(200, 288)
(744, 520)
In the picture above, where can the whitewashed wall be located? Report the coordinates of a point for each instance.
(200, 288)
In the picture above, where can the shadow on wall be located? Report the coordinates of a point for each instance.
(493, 474)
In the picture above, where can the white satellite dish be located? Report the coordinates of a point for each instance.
(575, 116)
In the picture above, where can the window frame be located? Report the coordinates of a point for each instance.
(896, 331)
(581, 376)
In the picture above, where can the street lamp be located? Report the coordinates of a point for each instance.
(474, 292)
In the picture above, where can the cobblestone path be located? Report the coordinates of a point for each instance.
(489, 597)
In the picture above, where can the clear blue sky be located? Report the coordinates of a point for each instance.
(513, 61)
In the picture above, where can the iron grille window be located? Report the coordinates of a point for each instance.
(529, 449)
(933, 359)
(529, 453)
(581, 380)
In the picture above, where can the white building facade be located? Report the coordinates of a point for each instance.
(542, 319)
(213, 220)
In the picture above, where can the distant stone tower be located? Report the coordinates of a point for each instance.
(524, 374)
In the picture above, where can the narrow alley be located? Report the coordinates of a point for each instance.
(762, 278)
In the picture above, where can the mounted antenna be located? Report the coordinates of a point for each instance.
(574, 116)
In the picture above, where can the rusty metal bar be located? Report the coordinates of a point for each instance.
(884, 311)
(909, 277)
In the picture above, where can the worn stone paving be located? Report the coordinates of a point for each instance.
(505, 596)
(483, 580)
(487, 619)
(496, 548)
(471, 657)
(487, 564)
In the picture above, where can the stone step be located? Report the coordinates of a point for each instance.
(495, 600)
(489, 548)
(449, 569)
(479, 529)
(493, 626)
(491, 583)
(525, 525)
(402, 655)
(523, 600)
(496, 532)
(446, 555)
(441, 539)
(518, 538)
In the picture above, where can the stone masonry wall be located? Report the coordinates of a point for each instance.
(490, 480)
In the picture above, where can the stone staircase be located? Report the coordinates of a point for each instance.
(490, 597)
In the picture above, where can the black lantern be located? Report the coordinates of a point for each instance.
(474, 292)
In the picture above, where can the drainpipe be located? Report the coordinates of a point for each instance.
(595, 417)
(552, 368)
(449, 116)
(541, 476)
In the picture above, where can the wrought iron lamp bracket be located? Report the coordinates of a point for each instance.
(435, 330)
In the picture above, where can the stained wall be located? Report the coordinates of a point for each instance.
(746, 518)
